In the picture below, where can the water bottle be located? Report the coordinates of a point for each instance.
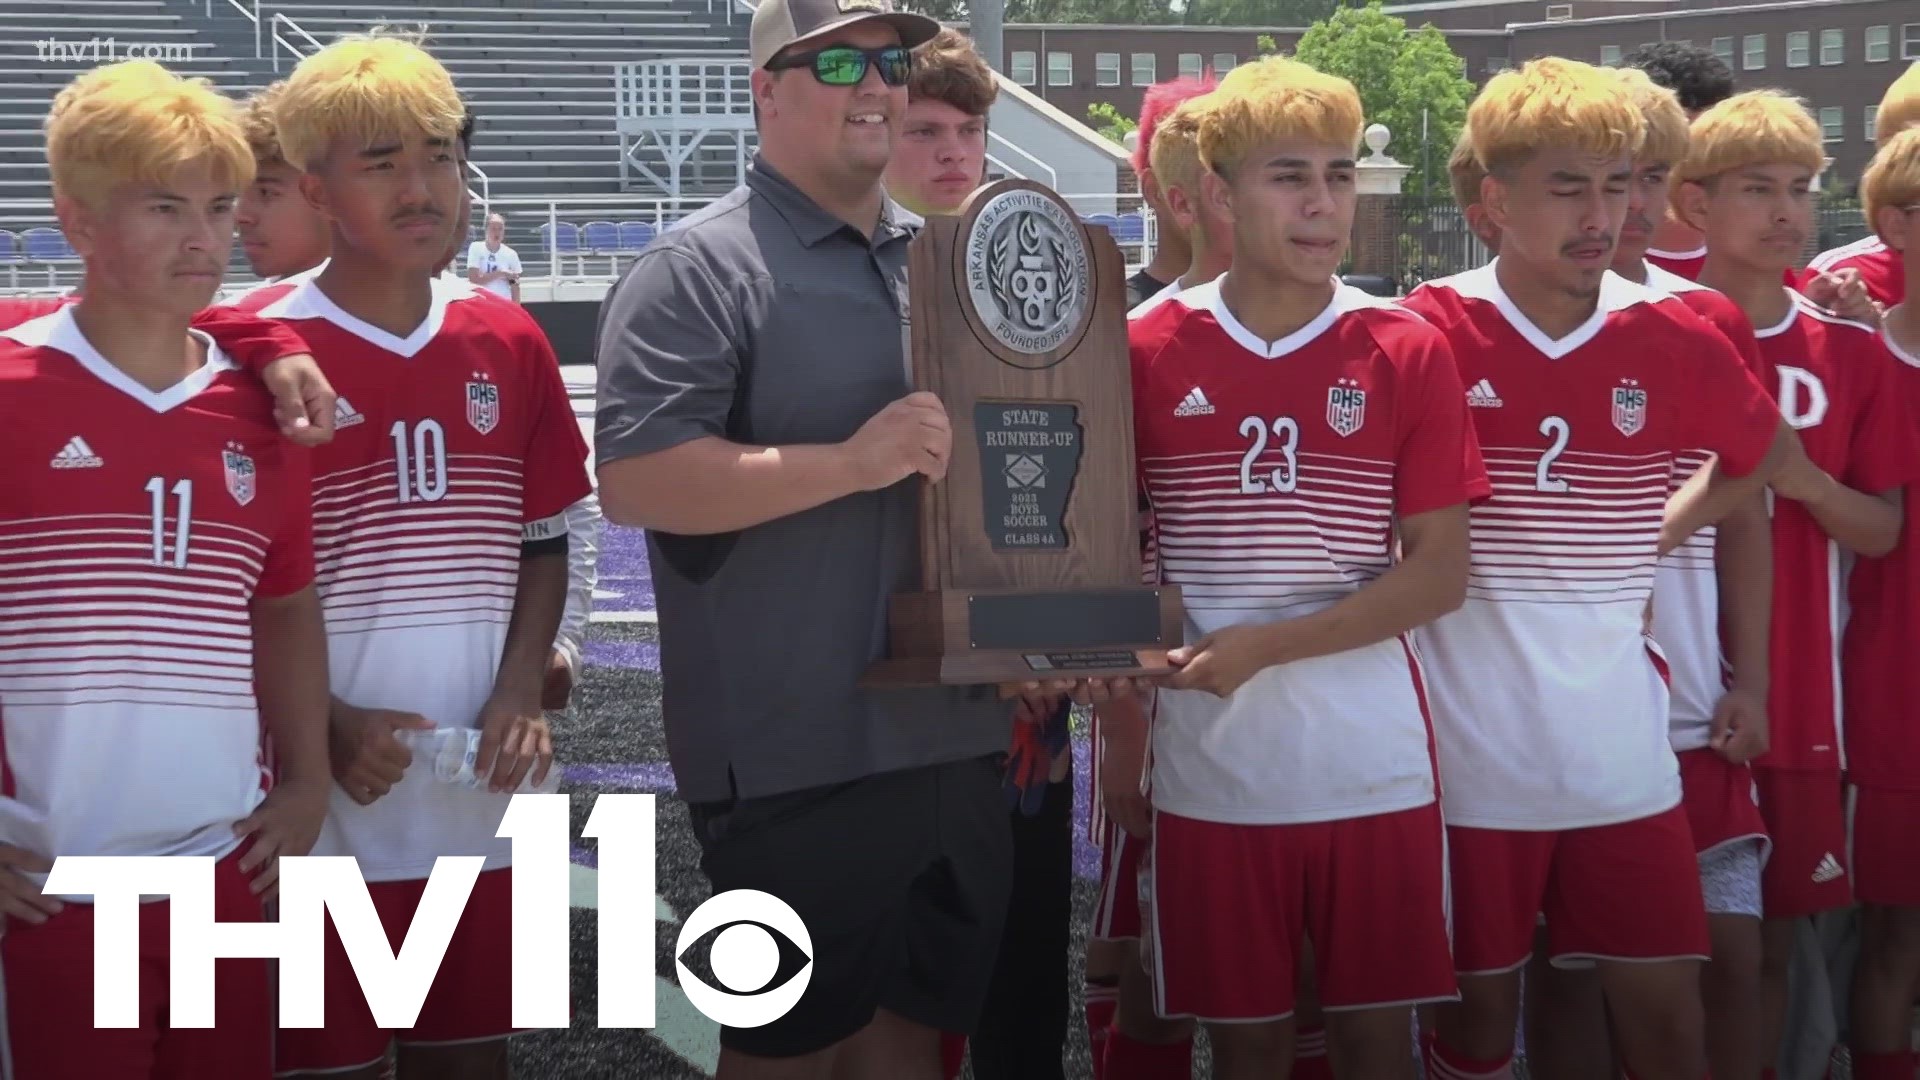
(450, 754)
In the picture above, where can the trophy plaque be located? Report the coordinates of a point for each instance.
(1030, 548)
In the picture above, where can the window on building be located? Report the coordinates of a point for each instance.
(1143, 68)
(1833, 47)
(1023, 69)
(1799, 48)
(1879, 44)
(1559, 12)
(1610, 55)
(1498, 64)
(1723, 48)
(1872, 114)
(1753, 52)
(1059, 69)
(1833, 123)
(1910, 41)
(1224, 62)
(1190, 65)
(1106, 69)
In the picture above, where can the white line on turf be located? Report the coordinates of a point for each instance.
(625, 616)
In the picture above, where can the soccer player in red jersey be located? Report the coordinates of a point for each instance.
(1550, 701)
(1746, 183)
(1716, 586)
(280, 232)
(157, 610)
(441, 548)
(1309, 459)
(1880, 268)
(1175, 156)
(1882, 683)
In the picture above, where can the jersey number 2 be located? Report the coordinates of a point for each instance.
(1556, 428)
(176, 555)
(420, 461)
(1284, 477)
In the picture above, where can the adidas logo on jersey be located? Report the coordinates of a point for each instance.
(345, 415)
(1194, 404)
(76, 455)
(1481, 396)
(1828, 869)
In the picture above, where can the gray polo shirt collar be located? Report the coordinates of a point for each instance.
(812, 224)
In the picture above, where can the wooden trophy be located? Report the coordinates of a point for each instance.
(1030, 548)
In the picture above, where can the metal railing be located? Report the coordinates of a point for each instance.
(996, 139)
(252, 16)
(281, 19)
(700, 90)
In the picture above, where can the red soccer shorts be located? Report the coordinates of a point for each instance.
(471, 999)
(1722, 803)
(1629, 891)
(48, 973)
(1886, 846)
(1807, 818)
(1116, 912)
(1228, 906)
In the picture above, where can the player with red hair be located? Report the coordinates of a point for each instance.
(1171, 254)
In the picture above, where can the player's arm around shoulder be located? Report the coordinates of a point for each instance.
(1438, 473)
(303, 399)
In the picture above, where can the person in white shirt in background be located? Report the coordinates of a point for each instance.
(491, 264)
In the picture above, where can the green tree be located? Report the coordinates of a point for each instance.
(1109, 121)
(1407, 80)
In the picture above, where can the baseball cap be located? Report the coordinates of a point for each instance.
(778, 24)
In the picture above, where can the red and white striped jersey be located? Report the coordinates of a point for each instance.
(1549, 700)
(453, 444)
(1834, 382)
(1882, 640)
(1276, 472)
(1882, 270)
(1686, 586)
(136, 528)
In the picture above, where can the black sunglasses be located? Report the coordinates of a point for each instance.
(844, 65)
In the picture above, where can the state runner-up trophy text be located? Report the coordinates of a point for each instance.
(1030, 548)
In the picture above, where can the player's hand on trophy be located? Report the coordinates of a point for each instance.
(366, 758)
(20, 898)
(910, 436)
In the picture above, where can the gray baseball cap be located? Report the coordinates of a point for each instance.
(778, 24)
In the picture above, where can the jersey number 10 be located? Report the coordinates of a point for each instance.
(420, 461)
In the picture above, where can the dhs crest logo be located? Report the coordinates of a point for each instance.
(240, 473)
(483, 403)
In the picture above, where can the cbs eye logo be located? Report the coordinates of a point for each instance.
(760, 953)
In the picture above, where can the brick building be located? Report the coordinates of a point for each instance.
(1838, 55)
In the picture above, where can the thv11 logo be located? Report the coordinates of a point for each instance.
(744, 953)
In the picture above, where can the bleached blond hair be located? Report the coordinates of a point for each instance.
(363, 89)
(137, 122)
(1893, 176)
(1465, 172)
(1667, 130)
(1175, 154)
(258, 124)
(1759, 127)
(1899, 106)
(1552, 102)
(1276, 99)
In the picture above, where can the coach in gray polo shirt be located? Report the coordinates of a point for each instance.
(755, 418)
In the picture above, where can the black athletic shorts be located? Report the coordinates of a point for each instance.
(902, 881)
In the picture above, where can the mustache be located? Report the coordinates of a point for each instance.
(1603, 241)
